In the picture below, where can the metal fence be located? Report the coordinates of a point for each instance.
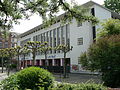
(54, 69)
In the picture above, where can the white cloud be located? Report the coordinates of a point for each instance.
(35, 20)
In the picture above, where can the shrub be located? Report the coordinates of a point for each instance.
(86, 86)
(13, 66)
(104, 56)
(9, 83)
(29, 78)
(84, 60)
(34, 77)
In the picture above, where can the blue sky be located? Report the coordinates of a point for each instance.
(35, 20)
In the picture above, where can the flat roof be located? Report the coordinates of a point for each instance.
(87, 4)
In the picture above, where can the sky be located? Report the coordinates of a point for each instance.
(36, 20)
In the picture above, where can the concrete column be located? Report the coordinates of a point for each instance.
(30, 62)
(25, 63)
(61, 62)
(53, 62)
(40, 63)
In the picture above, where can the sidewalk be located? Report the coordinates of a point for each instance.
(3, 76)
(72, 77)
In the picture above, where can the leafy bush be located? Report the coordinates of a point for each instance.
(110, 27)
(9, 83)
(29, 78)
(84, 60)
(34, 77)
(13, 66)
(104, 56)
(86, 86)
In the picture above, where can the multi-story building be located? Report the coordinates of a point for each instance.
(8, 41)
(78, 35)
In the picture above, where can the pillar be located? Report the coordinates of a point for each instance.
(61, 62)
(30, 62)
(53, 62)
(40, 63)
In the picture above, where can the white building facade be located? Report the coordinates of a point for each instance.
(78, 35)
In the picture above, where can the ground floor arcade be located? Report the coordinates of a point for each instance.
(41, 62)
(54, 65)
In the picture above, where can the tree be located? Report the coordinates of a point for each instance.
(5, 34)
(10, 52)
(2, 55)
(18, 53)
(114, 5)
(44, 49)
(104, 56)
(110, 27)
(65, 49)
(33, 46)
(13, 10)
(24, 52)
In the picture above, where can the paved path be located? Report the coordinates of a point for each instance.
(4, 74)
(78, 78)
(73, 78)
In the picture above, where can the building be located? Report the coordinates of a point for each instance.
(14, 39)
(8, 41)
(78, 35)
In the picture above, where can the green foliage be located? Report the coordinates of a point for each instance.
(12, 66)
(9, 83)
(28, 78)
(104, 56)
(113, 5)
(34, 77)
(86, 86)
(13, 10)
(84, 60)
(110, 27)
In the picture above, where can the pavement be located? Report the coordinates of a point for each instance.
(72, 77)
(78, 78)
(4, 74)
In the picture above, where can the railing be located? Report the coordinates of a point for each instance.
(54, 69)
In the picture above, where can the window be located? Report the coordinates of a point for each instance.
(58, 37)
(22, 43)
(34, 38)
(63, 40)
(6, 45)
(80, 41)
(94, 32)
(93, 11)
(78, 60)
(12, 44)
(67, 35)
(41, 38)
(47, 39)
(54, 41)
(50, 40)
(79, 24)
(1, 45)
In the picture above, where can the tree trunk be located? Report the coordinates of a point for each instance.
(24, 62)
(18, 64)
(64, 67)
(33, 62)
(9, 63)
(2, 65)
(46, 61)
